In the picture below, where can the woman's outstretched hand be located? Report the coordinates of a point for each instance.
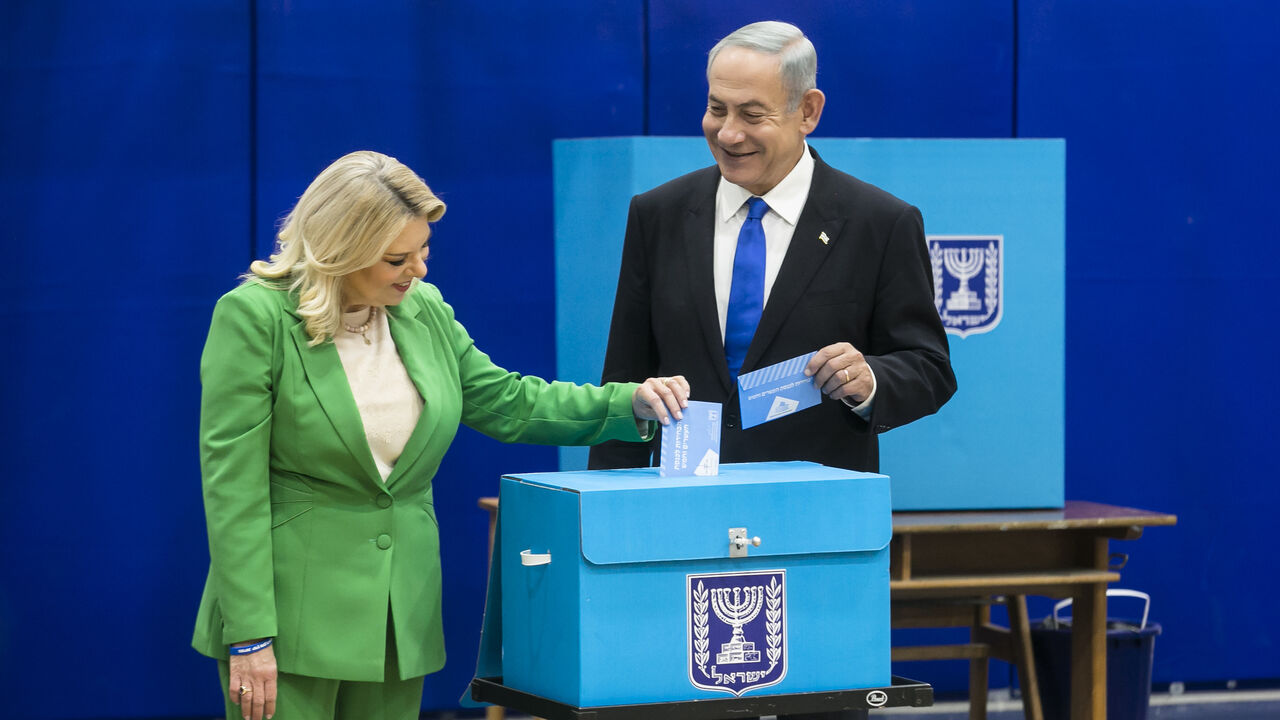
(661, 399)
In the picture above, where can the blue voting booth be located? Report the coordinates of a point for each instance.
(994, 215)
(621, 587)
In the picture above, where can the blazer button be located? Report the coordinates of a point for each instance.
(384, 541)
(384, 501)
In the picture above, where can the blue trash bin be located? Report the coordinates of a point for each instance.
(1130, 651)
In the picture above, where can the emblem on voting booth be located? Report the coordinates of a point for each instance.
(968, 281)
(737, 637)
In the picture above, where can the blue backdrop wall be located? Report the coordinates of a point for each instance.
(148, 148)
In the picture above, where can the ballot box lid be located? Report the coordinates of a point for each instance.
(794, 508)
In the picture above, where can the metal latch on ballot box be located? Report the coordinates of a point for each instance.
(738, 542)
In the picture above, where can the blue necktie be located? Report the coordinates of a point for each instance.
(746, 293)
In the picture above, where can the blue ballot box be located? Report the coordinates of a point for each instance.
(621, 586)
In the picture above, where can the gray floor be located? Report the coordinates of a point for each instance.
(1234, 705)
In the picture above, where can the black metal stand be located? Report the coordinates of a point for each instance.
(902, 693)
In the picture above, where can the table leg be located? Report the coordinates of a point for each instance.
(1020, 637)
(978, 680)
(1089, 654)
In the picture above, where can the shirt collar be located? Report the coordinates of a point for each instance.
(787, 198)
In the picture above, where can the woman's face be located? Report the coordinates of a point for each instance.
(386, 281)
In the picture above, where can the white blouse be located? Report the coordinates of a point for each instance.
(389, 403)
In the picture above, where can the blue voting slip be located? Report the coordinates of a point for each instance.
(776, 391)
(691, 446)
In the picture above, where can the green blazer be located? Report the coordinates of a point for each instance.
(307, 544)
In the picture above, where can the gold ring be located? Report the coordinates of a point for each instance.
(245, 690)
(846, 374)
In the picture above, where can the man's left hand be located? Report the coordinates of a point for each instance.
(840, 371)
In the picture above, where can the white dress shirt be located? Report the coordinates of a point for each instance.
(786, 201)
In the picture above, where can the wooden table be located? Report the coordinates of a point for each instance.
(942, 562)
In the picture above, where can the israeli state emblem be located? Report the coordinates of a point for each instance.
(737, 636)
(968, 281)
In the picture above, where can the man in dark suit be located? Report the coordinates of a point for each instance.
(844, 267)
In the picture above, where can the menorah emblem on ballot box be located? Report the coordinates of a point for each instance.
(751, 646)
(957, 261)
(732, 608)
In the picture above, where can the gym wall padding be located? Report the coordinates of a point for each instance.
(147, 150)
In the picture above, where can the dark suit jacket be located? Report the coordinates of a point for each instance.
(871, 285)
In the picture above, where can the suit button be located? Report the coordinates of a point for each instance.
(730, 424)
(384, 501)
(384, 541)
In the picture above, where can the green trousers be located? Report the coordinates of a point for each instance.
(299, 697)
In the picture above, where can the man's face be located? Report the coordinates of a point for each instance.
(753, 138)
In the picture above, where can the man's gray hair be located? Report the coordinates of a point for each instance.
(797, 60)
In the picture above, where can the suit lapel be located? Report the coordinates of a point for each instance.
(806, 253)
(329, 383)
(415, 344)
(699, 244)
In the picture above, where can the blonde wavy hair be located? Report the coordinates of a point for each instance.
(344, 222)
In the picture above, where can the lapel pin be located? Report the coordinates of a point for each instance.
(823, 237)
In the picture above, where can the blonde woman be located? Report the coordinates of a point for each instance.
(333, 382)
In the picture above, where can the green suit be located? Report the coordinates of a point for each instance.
(307, 544)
